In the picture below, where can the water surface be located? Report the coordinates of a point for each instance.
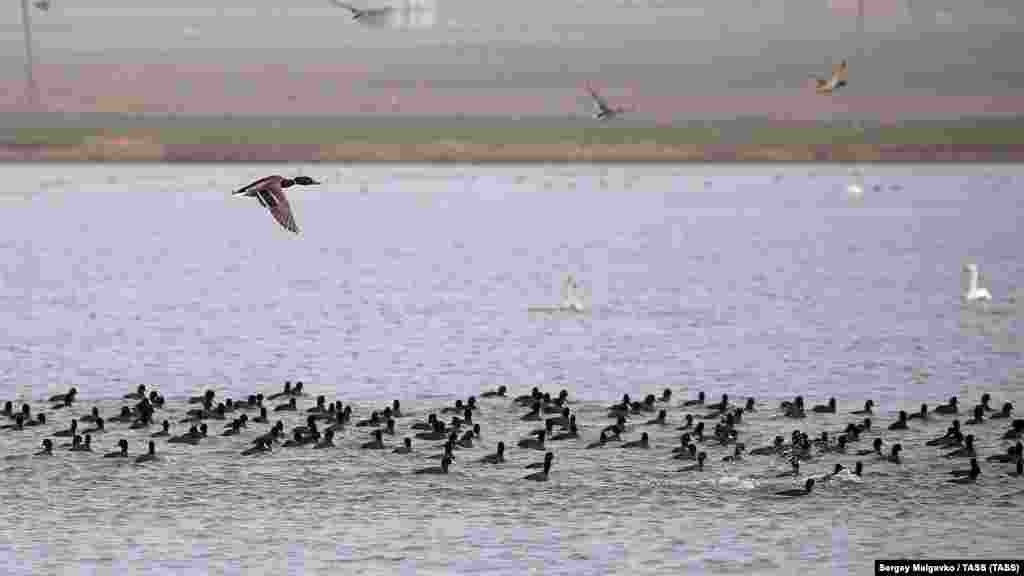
(413, 282)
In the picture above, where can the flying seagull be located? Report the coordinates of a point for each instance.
(835, 82)
(602, 110)
(270, 192)
(368, 14)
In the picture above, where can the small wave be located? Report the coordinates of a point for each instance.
(737, 482)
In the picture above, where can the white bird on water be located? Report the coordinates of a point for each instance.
(571, 300)
(972, 291)
(855, 190)
(570, 295)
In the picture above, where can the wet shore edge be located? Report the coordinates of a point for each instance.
(129, 149)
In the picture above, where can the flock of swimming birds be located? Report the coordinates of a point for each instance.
(321, 424)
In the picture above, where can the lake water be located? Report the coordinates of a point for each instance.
(413, 282)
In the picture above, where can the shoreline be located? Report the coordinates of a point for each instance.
(192, 139)
(119, 150)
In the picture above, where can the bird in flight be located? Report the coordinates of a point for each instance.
(270, 192)
(835, 82)
(43, 5)
(368, 14)
(602, 110)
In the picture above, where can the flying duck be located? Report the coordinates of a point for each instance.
(270, 192)
(835, 82)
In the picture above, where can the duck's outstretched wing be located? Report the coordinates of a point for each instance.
(277, 203)
(254, 187)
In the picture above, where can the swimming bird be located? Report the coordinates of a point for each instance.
(270, 193)
(830, 408)
(122, 453)
(721, 405)
(967, 451)
(39, 421)
(165, 431)
(542, 476)
(948, 408)
(808, 485)
(877, 449)
(548, 457)
(1006, 412)
(603, 111)
(688, 452)
(921, 415)
(499, 393)
(376, 444)
(698, 402)
(69, 432)
(534, 443)
(92, 416)
(262, 418)
(289, 407)
(443, 469)
(148, 456)
(894, 454)
(364, 15)
(601, 441)
(985, 399)
(139, 393)
(868, 404)
(643, 442)
(405, 448)
(834, 82)
(698, 467)
(775, 448)
(98, 429)
(900, 424)
(69, 396)
(47, 448)
(979, 415)
(659, 421)
(262, 446)
(533, 414)
(82, 446)
(327, 441)
(972, 291)
(571, 434)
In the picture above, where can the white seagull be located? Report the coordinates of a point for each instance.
(973, 292)
(571, 300)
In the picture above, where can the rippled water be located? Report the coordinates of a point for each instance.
(413, 282)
